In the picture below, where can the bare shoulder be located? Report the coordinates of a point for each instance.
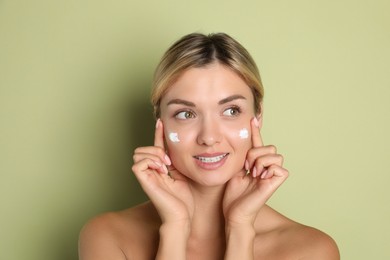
(287, 239)
(120, 235)
(312, 243)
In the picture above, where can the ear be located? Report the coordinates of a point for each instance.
(259, 116)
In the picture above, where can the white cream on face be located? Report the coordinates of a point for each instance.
(244, 133)
(174, 137)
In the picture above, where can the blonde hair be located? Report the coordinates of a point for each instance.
(197, 50)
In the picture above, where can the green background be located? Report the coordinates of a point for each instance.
(75, 79)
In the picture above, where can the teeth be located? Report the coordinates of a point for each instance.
(211, 159)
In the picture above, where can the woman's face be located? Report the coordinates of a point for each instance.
(206, 115)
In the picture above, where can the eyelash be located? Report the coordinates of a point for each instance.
(235, 108)
(176, 115)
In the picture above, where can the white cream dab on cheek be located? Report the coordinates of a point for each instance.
(244, 133)
(174, 137)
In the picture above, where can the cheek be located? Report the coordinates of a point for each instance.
(177, 139)
(173, 137)
(240, 138)
(238, 133)
(174, 142)
(243, 133)
(244, 136)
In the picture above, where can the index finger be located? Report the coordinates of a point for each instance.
(159, 134)
(257, 141)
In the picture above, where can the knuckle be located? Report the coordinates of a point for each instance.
(137, 150)
(259, 162)
(273, 168)
(282, 171)
(134, 168)
(251, 154)
(272, 148)
(281, 158)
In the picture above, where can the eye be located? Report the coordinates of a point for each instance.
(185, 115)
(232, 111)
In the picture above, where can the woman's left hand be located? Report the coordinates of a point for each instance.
(245, 194)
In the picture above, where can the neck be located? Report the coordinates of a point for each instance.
(208, 220)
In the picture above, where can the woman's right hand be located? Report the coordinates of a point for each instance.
(167, 189)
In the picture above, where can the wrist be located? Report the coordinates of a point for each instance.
(178, 228)
(240, 242)
(173, 240)
(246, 223)
(240, 228)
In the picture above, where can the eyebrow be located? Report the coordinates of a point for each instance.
(230, 98)
(179, 101)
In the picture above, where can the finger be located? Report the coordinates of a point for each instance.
(146, 164)
(275, 171)
(159, 139)
(276, 176)
(151, 151)
(262, 163)
(159, 167)
(140, 156)
(176, 175)
(256, 136)
(159, 134)
(257, 152)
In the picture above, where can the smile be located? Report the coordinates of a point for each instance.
(211, 159)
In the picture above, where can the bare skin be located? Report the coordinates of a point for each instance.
(207, 207)
(134, 234)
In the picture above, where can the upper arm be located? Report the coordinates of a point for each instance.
(322, 247)
(329, 249)
(97, 241)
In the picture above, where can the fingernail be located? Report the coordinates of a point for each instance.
(254, 172)
(256, 122)
(263, 175)
(246, 165)
(165, 169)
(157, 122)
(167, 160)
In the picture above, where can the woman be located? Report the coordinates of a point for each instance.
(208, 175)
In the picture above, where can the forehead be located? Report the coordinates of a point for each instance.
(211, 83)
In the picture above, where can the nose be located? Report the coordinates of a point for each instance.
(209, 132)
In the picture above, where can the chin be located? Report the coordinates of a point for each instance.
(212, 178)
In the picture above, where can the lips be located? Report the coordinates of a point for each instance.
(211, 161)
